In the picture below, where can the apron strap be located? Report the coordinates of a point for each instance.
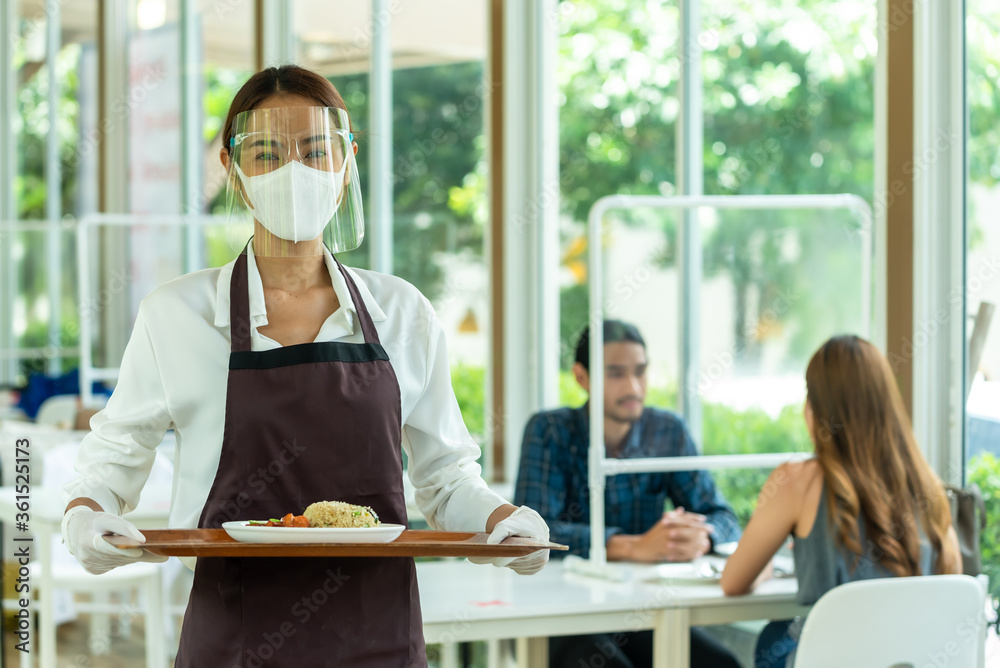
(239, 305)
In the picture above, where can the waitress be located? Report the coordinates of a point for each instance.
(289, 379)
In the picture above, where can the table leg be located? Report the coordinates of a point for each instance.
(449, 655)
(493, 654)
(26, 657)
(672, 639)
(99, 638)
(156, 653)
(3, 564)
(46, 624)
(532, 652)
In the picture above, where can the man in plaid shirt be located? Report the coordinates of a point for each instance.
(553, 479)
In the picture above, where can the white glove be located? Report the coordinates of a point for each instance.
(526, 523)
(83, 531)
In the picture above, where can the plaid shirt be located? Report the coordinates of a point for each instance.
(553, 479)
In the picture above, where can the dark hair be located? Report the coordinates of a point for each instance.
(615, 331)
(287, 79)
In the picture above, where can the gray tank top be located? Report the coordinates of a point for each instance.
(821, 564)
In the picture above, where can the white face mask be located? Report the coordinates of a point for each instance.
(294, 202)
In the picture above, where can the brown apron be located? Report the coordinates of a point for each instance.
(305, 423)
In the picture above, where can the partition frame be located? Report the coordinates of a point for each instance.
(600, 467)
(89, 373)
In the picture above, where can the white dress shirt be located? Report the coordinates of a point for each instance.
(174, 374)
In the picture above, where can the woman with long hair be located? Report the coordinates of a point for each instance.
(289, 379)
(866, 506)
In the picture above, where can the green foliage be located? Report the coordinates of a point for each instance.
(570, 392)
(984, 470)
(439, 188)
(469, 383)
(31, 127)
(574, 309)
(734, 432)
(36, 335)
(784, 113)
(729, 431)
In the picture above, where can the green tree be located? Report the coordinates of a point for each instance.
(438, 169)
(984, 470)
(783, 114)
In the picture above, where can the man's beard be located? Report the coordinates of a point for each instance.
(622, 417)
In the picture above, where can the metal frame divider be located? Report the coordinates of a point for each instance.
(601, 467)
(88, 372)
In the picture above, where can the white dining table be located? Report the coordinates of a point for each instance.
(464, 602)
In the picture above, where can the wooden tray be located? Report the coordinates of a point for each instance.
(217, 543)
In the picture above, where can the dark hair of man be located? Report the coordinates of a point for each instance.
(615, 331)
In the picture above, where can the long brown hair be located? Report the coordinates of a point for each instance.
(871, 464)
(287, 79)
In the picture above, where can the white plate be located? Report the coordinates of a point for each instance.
(705, 570)
(244, 533)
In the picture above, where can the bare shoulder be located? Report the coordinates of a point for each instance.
(797, 477)
(807, 469)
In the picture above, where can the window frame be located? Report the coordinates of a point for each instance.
(939, 250)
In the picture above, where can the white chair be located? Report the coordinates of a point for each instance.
(57, 570)
(59, 411)
(142, 578)
(912, 622)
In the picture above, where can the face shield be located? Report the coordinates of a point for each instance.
(293, 181)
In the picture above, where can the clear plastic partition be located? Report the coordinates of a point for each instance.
(728, 333)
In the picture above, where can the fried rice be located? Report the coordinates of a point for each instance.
(326, 514)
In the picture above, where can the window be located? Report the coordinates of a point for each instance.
(788, 108)
(438, 161)
(53, 58)
(617, 75)
(167, 102)
(982, 289)
(217, 55)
